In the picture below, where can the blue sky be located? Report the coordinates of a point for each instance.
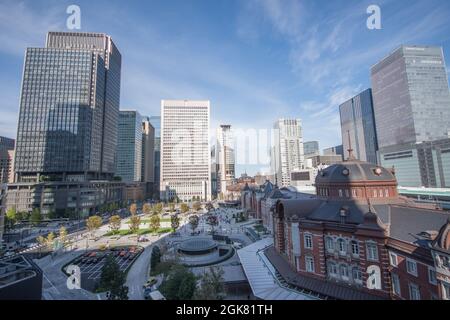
(255, 60)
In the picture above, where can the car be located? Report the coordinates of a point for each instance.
(150, 282)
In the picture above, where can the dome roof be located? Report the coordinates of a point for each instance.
(354, 171)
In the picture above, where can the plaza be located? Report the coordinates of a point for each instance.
(198, 252)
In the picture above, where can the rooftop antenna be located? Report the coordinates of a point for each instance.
(350, 150)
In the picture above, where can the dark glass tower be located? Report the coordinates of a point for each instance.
(69, 108)
(358, 125)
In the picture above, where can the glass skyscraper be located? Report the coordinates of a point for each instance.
(129, 147)
(156, 123)
(411, 96)
(412, 113)
(67, 129)
(358, 123)
(311, 148)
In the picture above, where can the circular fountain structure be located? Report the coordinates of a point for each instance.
(200, 252)
(197, 247)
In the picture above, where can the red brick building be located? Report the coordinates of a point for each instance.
(358, 239)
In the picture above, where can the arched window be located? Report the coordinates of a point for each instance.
(354, 193)
(347, 193)
(329, 244)
(357, 275)
(332, 269)
(340, 193)
(343, 269)
(375, 193)
(342, 246)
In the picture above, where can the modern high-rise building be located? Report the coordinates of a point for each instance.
(311, 148)
(129, 146)
(287, 150)
(412, 106)
(6, 158)
(358, 127)
(156, 123)
(148, 151)
(225, 159)
(67, 129)
(334, 151)
(185, 150)
(69, 108)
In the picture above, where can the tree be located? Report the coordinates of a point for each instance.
(155, 222)
(42, 242)
(155, 257)
(147, 208)
(135, 222)
(157, 208)
(63, 235)
(193, 221)
(212, 221)
(211, 285)
(114, 223)
(209, 206)
(180, 284)
(51, 215)
(112, 280)
(184, 207)
(93, 223)
(174, 222)
(196, 206)
(11, 217)
(36, 216)
(133, 209)
(49, 240)
(171, 207)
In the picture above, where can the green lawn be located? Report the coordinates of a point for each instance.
(148, 220)
(140, 232)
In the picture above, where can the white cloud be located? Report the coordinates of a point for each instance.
(22, 27)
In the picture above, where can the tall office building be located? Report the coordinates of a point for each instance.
(185, 150)
(287, 150)
(67, 128)
(412, 106)
(225, 159)
(334, 151)
(156, 123)
(69, 107)
(129, 146)
(6, 158)
(148, 151)
(358, 126)
(311, 148)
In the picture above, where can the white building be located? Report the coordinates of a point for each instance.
(225, 158)
(185, 150)
(287, 150)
